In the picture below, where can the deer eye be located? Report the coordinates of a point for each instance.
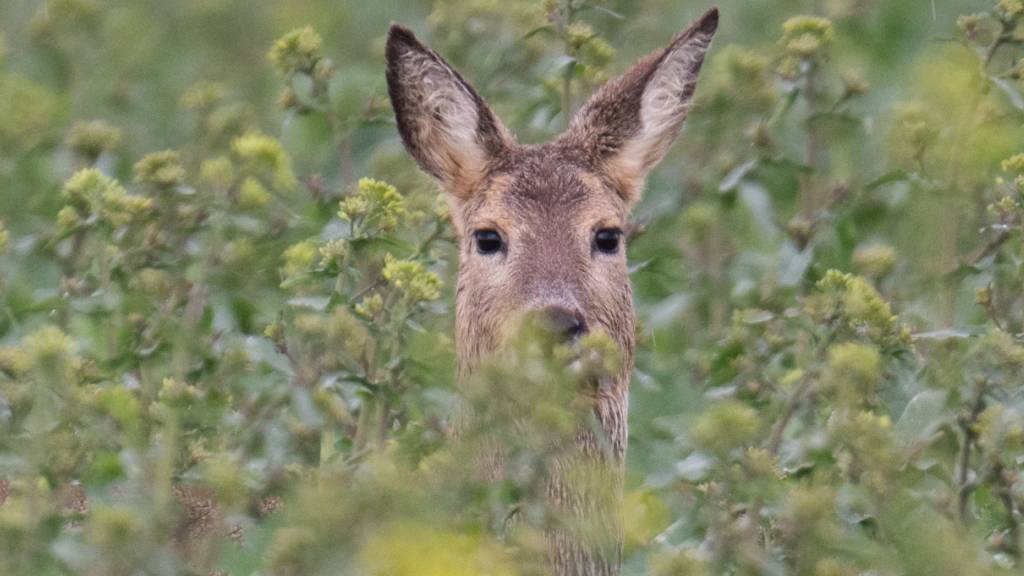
(488, 242)
(607, 240)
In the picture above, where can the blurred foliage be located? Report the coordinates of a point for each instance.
(225, 293)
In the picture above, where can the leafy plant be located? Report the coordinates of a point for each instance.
(225, 307)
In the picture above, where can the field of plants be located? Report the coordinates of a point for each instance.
(226, 292)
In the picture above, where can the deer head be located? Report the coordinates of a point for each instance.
(541, 227)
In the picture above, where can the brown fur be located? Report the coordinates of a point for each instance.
(547, 202)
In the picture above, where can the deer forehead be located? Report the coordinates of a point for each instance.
(540, 196)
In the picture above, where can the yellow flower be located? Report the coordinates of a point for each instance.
(291, 550)
(412, 279)
(121, 405)
(971, 24)
(370, 306)
(265, 153)
(221, 474)
(202, 96)
(156, 283)
(111, 526)
(176, 393)
(1003, 349)
(441, 208)
(160, 168)
(408, 548)
(30, 113)
(875, 260)
(52, 352)
(1014, 164)
(299, 258)
(854, 83)
(1011, 8)
(375, 204)
(699, 219)
(14, 360)
(853, 371)
(816, 25)
(333, 251)
(645, 516)
(983, 296)
(85, 186)
(348, 333)
(252, 194)
(724, 426)
(90, 139)
(296, 51)
(804, 44)
(599, 355)
(121, 208)
(67, 219)
(686, 562)
(852, 301)
(217, 172)
(804, 36)
(913, 129)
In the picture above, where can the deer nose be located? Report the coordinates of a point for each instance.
(561, 323)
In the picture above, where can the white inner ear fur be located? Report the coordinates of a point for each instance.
(663, 108)
(446, 122)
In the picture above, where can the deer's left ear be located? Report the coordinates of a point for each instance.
(629, 125)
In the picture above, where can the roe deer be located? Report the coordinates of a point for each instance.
(540, 227)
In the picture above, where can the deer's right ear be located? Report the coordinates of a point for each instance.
(445, 125)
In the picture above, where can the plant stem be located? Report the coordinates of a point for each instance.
(809, 182)
(383, 422)
(969, 436)
(105, 279)
(775, 442)
(362, 426)
(1004, 489)
(328, 436)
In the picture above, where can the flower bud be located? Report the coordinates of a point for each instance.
(266, 154)
(296, 51)
(410, 277)
(162, 169)
(875, 260)
(725, 426)
(90, 139)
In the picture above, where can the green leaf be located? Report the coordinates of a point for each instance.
(1011, 92)
(544, 28)
(887, 178)
(736, 174)
(924, 414)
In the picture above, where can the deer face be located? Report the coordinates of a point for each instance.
(541, 228)
(542, 238)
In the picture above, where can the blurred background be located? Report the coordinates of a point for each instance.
(225, 287)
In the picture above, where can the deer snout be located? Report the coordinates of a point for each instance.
(560, 323)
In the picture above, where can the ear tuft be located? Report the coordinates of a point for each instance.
(629, 125)
(445, 125)
(399, 35)
(708, 23)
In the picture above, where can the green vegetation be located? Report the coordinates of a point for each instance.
(226, 292)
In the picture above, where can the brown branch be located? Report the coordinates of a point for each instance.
(1004, 489)
(1005, 36)
(775, 442)
(988, 249)
(967, 423)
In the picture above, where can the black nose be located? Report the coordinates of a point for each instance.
(561, 323)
